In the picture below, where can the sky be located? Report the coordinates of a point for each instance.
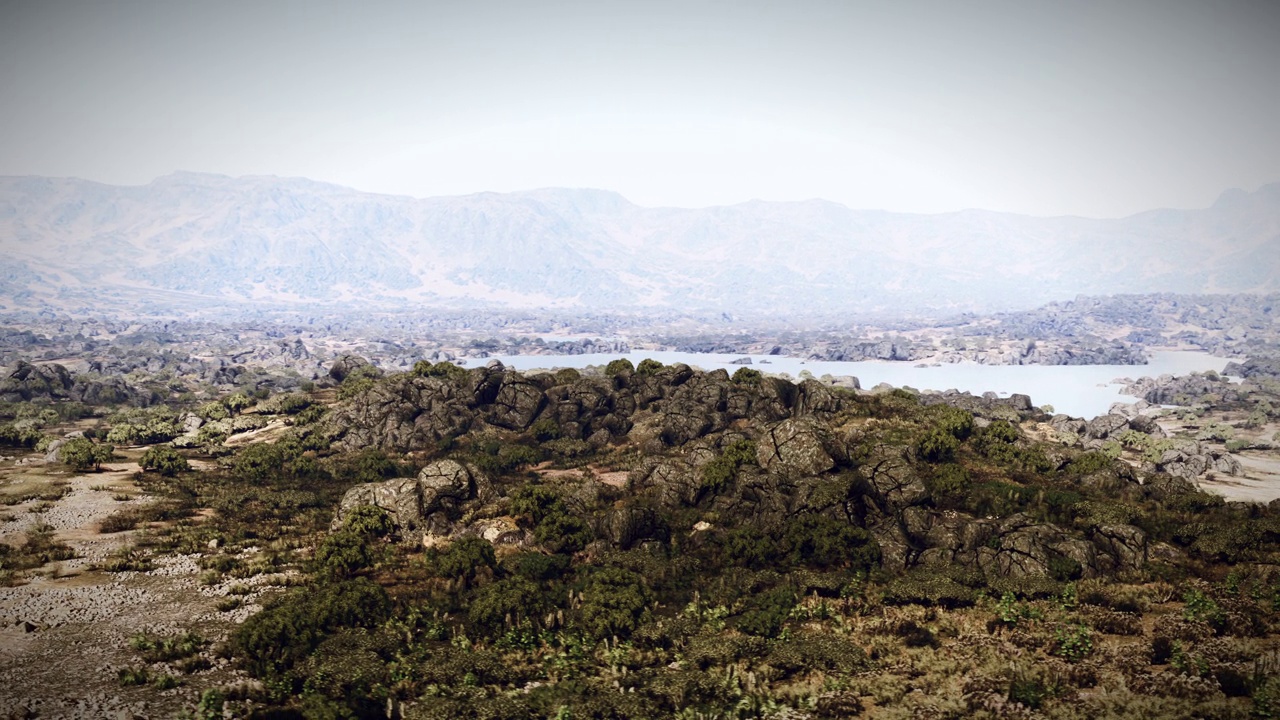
(1100, 109)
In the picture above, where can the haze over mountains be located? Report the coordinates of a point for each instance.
(276, 241)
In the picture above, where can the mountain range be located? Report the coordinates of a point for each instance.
(199, 239)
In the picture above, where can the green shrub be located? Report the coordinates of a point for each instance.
(545, 430)
(766, 613)
(84, 454)
(747, 376)
(648, 366)
(464, 558)
(1073, 642)
(722, 469)
(369, 521)
(937, 446)
(613, 602)
(510, 602)
(619, 366)
(344, 553)
(284, 633)
(163, 460)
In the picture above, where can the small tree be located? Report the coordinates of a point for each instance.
(83, 454)
(163, 460)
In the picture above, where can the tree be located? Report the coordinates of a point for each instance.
(163, 460)
(83, 454)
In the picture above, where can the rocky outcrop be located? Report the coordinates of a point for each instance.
(1019, 547)
(425, 505)
(1189, 459)
(27, 381)
(794, 447)
(1184, 389)
(406, 412)
(347, 364)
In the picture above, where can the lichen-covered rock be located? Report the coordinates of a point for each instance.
(1104, 426)
(425, 504)
(891, 478)
(794, 447)
(516, 404)
(347, 364)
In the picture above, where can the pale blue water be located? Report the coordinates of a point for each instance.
(1078, 390)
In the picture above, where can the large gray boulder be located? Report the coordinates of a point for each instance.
(794, 447)
(426, 504)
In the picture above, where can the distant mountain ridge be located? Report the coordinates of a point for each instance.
(290, 240)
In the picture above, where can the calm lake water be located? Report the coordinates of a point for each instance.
(1078, 390)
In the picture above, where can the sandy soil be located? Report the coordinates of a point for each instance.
(64, 635)
(1261, 481)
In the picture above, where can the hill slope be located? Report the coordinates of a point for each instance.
(275, 240)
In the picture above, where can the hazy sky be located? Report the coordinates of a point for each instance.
(1091, 108)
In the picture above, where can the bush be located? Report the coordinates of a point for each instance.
(84, 454)
(619, 366)
(283, 634)
(513, 601)
(369, 521)
(721, 470)
(648, 366)
(163, 460)
(613, 602)
(1073, 642)
(344, 554)
(747, 376)
(937, 446)
(767, 612)
(464, 558)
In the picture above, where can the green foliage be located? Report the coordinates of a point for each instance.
(84, 454)
(345, 553)
(19, 436)
(510, 602)
(1266, 698)
(545, 430)
(747, 376)
(721, 470)
(619, 366)
(293, 403)
(937, 446)
(1073, 642)
(613, 602)
(163, 460)
(446, 370)
(213, 410)
(947, 481)
(500, 458)
(767, 612)
(155, 649)
(366, 466)
(369, 521)
(261, 462)
(284, 633)
(1202, 608)
(1011, 612)
(648, 366)
(464, 558)
(951, 420)
(561, 532)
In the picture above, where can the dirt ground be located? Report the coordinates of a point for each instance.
(64, 634)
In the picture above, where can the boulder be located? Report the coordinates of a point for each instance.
(1103, 426)
(891, 479)
(425, 504)
(345, 365)
(795, 448)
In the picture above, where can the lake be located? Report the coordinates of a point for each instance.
(1078, 390)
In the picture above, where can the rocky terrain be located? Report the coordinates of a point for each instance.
(631, 541)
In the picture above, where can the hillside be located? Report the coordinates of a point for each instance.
(188, 239)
